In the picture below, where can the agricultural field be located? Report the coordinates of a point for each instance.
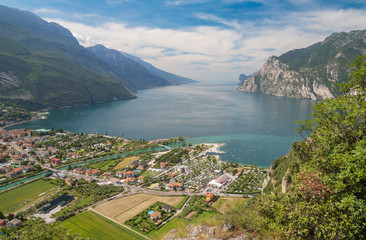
(14, 199)
(143, 221)
(106, 165)
(206, 218)
(224, 204)
(122, 209)
(125, 162)
(92, 225)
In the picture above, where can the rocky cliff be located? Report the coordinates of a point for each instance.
(311, 72)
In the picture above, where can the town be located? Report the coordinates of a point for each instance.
(56, 175)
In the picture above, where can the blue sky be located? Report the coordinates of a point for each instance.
(208, 40)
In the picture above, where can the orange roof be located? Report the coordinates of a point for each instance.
(209, 195)
(174, 184)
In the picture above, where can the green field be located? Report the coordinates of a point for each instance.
(92, 225)
(17, 196)
(180, 224)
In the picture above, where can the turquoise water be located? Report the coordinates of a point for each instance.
(256, 128)
(22, 181)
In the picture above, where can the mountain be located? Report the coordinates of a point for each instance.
(43, 63)
(242, 78)
(131, 73)
(317, 190)
(170, 77)
(311, 72)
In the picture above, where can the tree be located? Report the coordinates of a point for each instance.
(327, 199)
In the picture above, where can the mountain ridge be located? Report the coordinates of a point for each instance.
(130, 72)
(42, 63)
(312, 72)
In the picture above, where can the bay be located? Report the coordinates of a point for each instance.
(256, 128)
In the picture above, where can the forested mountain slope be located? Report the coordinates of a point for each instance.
(318, 190)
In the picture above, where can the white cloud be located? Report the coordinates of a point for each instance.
(210, 17)
(211, 53)
(47, 11)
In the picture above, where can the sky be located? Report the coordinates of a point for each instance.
(206, 40)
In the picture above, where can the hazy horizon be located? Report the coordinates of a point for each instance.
(206, 40)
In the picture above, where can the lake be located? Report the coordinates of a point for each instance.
(256, 128)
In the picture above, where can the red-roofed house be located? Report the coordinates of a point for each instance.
(10, 174)
(119, 174)
(175, 186)
(18, 171)
(55, 161)
(3, 222)
(155, 216)
(130, 180)
(209, 197)
(95, 172)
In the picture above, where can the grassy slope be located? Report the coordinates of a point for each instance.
(20, 194)
(92, 225)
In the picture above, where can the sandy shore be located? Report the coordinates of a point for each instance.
(216, 147)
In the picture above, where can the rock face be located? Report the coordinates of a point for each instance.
(311, 72)
(242, 78)
(201, 232)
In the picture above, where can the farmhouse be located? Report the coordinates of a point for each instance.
(209, 197)
(163, 165)
(69, 181)
(14, 223)
(168, 208)
(3, 222)
(155, 216)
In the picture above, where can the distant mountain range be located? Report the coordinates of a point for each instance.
(43, 64)
(311, 72)
(134, 72)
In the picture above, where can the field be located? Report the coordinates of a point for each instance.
(180, 224)
(125, 208)
(224, 204)
(29, 192)
(106, 165)
(92, 225)
(125, 162)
